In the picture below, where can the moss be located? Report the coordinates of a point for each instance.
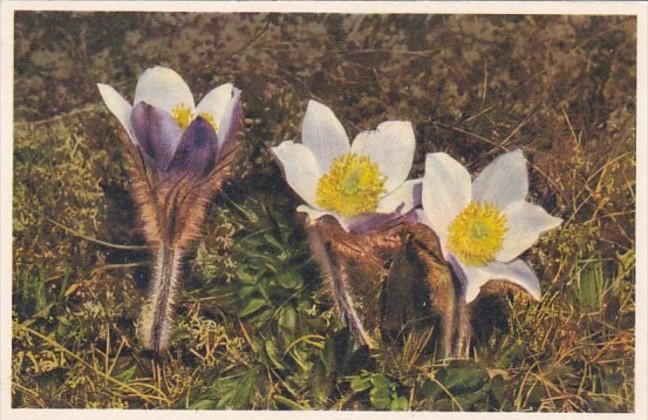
(255, 329)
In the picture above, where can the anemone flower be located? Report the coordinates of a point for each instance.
(362, 186)
(181, 155)
(484, 226)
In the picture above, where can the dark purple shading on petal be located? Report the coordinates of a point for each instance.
(156, 132)
(227, 140)
(418, 194)
(196, 154)
(372, 222)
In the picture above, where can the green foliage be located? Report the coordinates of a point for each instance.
(254, 328)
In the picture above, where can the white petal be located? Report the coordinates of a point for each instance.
(405, 195)
(300, 169)
(117, 105)
(216, 102)
(516, 272)
(163, 88)
(323, 134)
(391, 146)
(443, 237)
(524, 223)
(228, 121)
(503, 181)
(446, 191)
(314, 214)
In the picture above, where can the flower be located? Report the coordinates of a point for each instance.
(182, 154)
(485, 225)
(362, 185)
(175, 135)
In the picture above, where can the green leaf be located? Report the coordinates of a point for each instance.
(380, 398)
(464, 376)
(290, 404)
(380, 381)
(360, 384)
(127, 375)
(271, 351)
(205, 404)
(247, 290)
(399, 404)
(288, 318)
(252, 306)
(289, 280)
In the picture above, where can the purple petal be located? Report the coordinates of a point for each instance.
(156, 132)
(370, 222)
(197, 151)
(229, 127)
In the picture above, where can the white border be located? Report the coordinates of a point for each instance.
(639, 9)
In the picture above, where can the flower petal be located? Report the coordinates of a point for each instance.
(117, 105)
(163, 88)
(156, 132)
(314, 214)
(408, 195)
(502, 181)
(222, 104)
(229, 121)
(370, 222)
(323, 134)
(446, 191)
(300, 169)
(516, 272)
(443, 237)
(196, 154)
(524, 223)
(391, 146)
(215, 102)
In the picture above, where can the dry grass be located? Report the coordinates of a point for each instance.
(254, 328)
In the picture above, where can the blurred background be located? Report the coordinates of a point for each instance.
(254, 328)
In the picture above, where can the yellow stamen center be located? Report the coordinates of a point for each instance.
(184, 116)
(477, 234)
(353, 185)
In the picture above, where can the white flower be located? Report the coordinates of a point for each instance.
(163, 110)
(484, 226)
(361, 185)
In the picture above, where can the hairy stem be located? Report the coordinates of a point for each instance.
(335, 273)
(156, 318)
(462, 329)
(461, 347)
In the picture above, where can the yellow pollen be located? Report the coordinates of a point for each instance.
(352, 186)
(184, 116)
(208, 117)
(477, 234)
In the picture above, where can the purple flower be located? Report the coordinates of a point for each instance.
(175, 136)
(182, 155)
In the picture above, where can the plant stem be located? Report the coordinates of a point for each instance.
(156, 317)
(335, 272)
